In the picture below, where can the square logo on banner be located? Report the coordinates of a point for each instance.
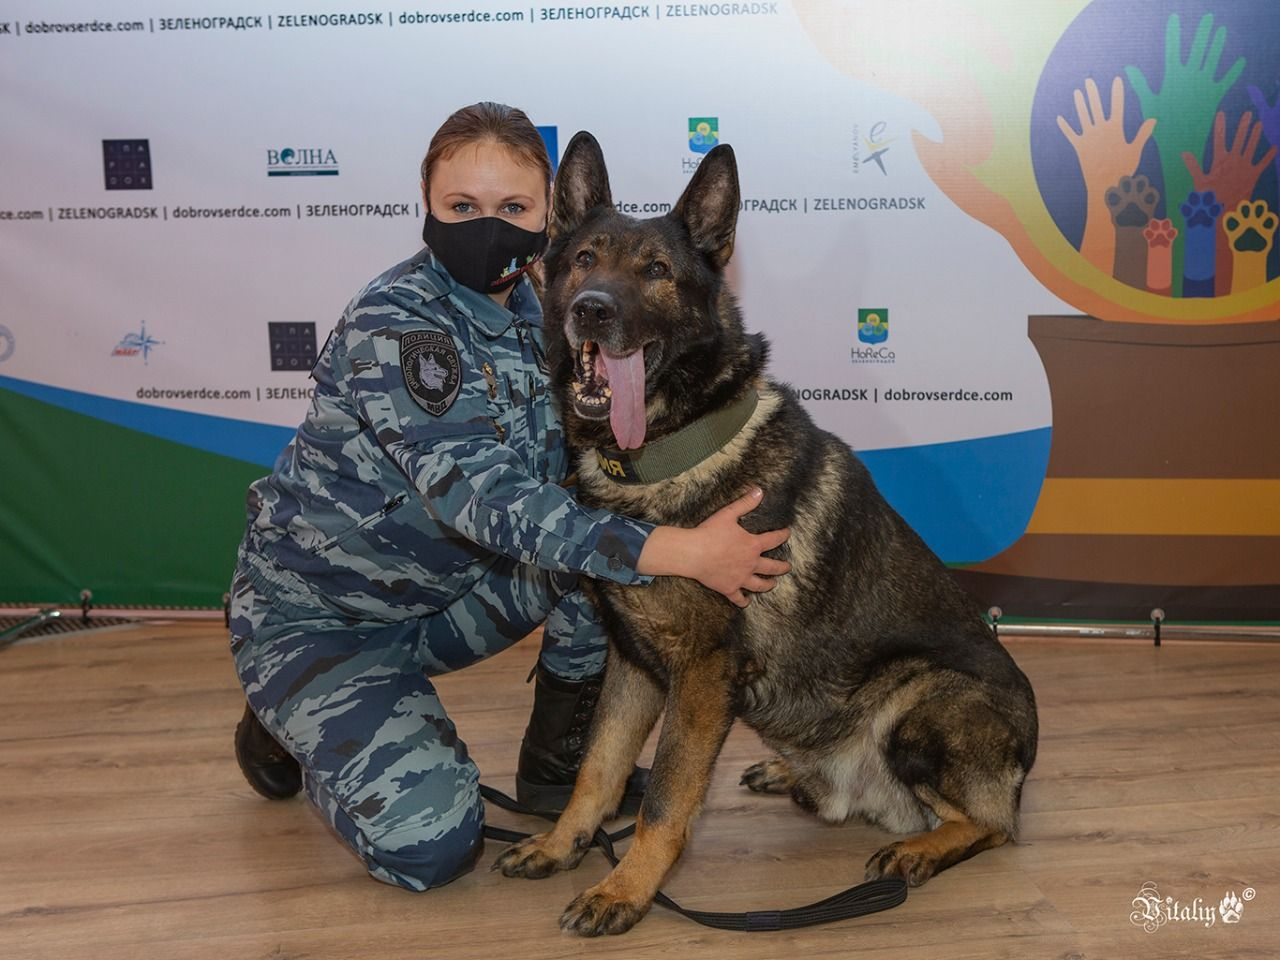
(873, 324)
(704, 133)
(126, 164)
(293, 346)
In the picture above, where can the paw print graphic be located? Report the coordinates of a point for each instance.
(1159, 235)
(1201, 209)
(1131, 203)
(1201, 212)
(1230, 908)
(1251, 227)
(1250, 230)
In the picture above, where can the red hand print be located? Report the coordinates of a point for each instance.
(1232, 177)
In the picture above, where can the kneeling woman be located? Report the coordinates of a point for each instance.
(417, 524)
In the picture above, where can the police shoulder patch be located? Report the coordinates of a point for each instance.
(432, 369)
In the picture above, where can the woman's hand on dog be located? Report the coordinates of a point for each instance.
(718, 553)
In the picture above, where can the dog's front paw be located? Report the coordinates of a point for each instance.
(768, 776)
(537, 857)
(598, 911)
(900, 860)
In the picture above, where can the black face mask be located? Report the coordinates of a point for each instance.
(487, 254)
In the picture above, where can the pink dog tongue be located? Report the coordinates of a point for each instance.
(626, 410)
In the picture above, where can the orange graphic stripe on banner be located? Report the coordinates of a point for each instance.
(1222, 508)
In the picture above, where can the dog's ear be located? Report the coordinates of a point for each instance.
(709, 204)
(582, 184)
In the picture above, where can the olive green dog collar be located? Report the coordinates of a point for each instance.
(680, 451)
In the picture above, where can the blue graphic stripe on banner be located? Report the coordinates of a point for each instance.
(245, 440)
(968, 499)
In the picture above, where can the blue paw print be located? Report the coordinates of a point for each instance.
(1201, 212)
(1201, 209)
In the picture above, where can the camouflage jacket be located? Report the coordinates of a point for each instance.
(430, 450)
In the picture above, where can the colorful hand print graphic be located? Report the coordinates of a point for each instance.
(1169, 124)
(1029, 130)
(1185, 103)
(1106, 157)
(1231, 179)
(1131, 203)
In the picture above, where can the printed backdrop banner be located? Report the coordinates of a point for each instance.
(1020, 255)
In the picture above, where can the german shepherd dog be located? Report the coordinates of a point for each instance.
(869, 672)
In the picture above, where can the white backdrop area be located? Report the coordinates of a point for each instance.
(189, 199)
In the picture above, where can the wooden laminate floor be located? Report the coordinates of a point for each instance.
(128, 832)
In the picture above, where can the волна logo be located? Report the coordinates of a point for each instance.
(302, 162)
(7, 343)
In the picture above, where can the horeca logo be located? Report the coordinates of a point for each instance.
(873, 324)
(873, 331)
(704, 133)
(302, 162)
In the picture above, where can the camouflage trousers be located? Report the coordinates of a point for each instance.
(351, 700)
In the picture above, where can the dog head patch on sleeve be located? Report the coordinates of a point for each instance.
(432, 369)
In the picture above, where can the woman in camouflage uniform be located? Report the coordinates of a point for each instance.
(417, 523)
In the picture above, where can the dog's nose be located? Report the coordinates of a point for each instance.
(594, 305)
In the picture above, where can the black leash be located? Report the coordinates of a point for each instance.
(858, 901)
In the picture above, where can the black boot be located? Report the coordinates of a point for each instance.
(267, 766)
(554, 743)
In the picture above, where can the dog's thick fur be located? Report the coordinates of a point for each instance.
(870, 673)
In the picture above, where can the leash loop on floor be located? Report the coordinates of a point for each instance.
(858, 901)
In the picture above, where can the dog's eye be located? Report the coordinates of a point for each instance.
(657, 270)
(585, 258)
